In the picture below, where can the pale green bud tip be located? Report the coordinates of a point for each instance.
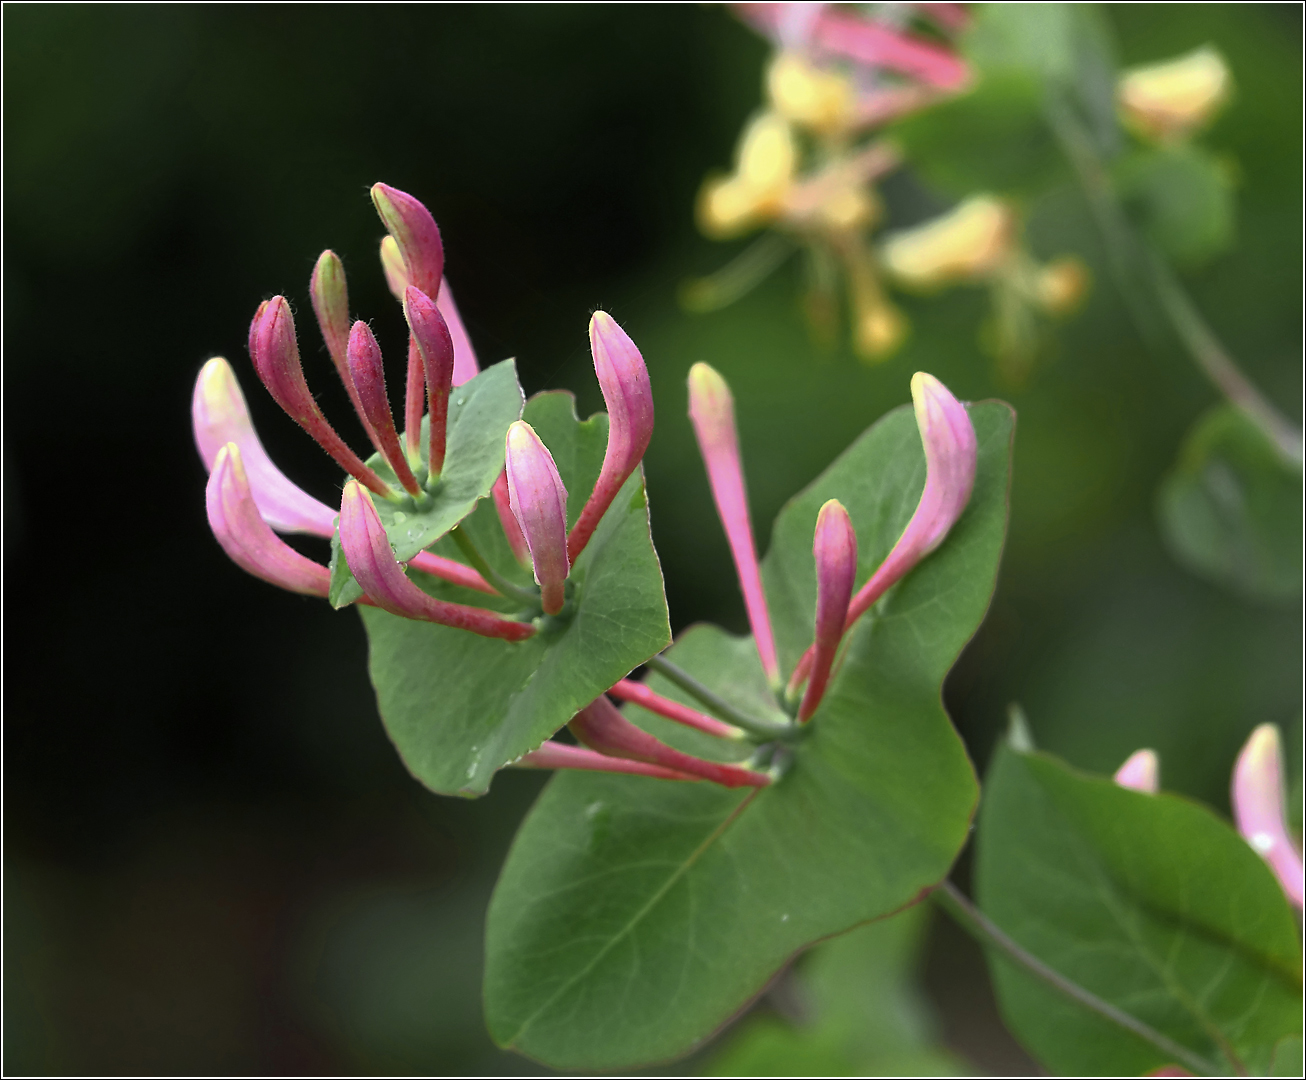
(396, 273)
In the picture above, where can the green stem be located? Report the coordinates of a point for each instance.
(1126, 252)
(979, 926)
(719, 707)
(506, 587)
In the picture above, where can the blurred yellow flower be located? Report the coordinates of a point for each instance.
(1171, 100)
(755, 193)
(1061, 285)
(966, 244)
(822, 101)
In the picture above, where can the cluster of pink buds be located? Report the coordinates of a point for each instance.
(1258, 803)
(250, 500)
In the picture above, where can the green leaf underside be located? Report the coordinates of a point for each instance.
(634, 916)
(459, 706)
(1231, 510)
(1150, 902)
(480, 413)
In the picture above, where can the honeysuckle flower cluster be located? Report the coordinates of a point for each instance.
(1257, 796)
(1167, 102)
(250, 500)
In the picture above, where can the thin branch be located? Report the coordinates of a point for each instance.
(979, 926)
(722, 709)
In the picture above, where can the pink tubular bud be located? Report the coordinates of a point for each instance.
(453, 572)
(865, 42)
(555, 755)
(372, 562)
(539, 503)
(414, 399)
(392, 263)
(276, 359)
(247, 538)
(368, 374)
(435, 345)
(1140, 772)
(712, 410)
(641, 695)
(219, 416)
(331, 306)
(415, 233)
(624, 381)
(1258, 808)
(601, 727)
(835, 547)
(464, 356)
(511, 530)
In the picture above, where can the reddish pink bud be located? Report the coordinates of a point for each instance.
(1140, 772)
(219, 416)
(601, 727)
(453, 572)
(368, 373)
(539, 503)
(555, 755)
(511, 530)
(435, 344)
(464, 356)
(866, 42)
(331, 306)
(1258, 808)
(641, 695)
(372, 562)
(416, 235)
(246, 537)
(414, 399)
(624, 381)
(276, 359)
(712, 410)
(835, 548)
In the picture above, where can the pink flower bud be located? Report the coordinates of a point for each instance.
(465, 366)
(601, 727)
(624, 381)
(1258, 808)
(414, 399)
(392, 264)
(863, 41)
(368, 374)
(641, 695)
(1140, 772)
(331, 306)
(539, 503)
(511, 530)
(435, 346)
(219, 416)
(835, 547)
(416, 235)
(372, 562)
(712, 410)
(246, 537)
(555, 755)
(276, 359)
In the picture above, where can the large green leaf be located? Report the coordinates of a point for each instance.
(480, 413)
(1231, 510)
(634, 917)
(459, 706)
(1149, 901)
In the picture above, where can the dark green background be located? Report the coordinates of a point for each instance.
(214, 860)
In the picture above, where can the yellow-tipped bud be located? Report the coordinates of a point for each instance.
(879, 331)
(820, 100)
(1062, 285)
(966, 244)
(1171, 100)
(767, 157)
(726, 207)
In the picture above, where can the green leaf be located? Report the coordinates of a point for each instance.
(634, 917)
(1150, 902)
(1231, 510)
(1183, 199)
(459, 706)
(861, 1012)
(480, 413)
(1287, 1057)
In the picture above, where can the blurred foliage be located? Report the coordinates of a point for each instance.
(218, 859)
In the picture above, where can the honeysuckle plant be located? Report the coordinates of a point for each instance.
(720, 802)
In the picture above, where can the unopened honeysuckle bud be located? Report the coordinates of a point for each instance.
(331, 306)
(712, 410)
(539, 503)
(966, 244)
(601, 727)
(368, 374)
(878, 45)
(641, 695)
(392, 263)
(372, 562)
(556, 755)
(511, 530)
(435, 344)
(1258, 808)
(1140, 772)
(465, 366)
(834, 546)
(276, 359)
(239, 527)
(219, 416)
(1171, 100)
(626, 391)
(806, 95)
(416, 235)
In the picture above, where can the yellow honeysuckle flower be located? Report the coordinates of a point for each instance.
(966, 244)
(764, 173)
(820, 100)
(1170, 100)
